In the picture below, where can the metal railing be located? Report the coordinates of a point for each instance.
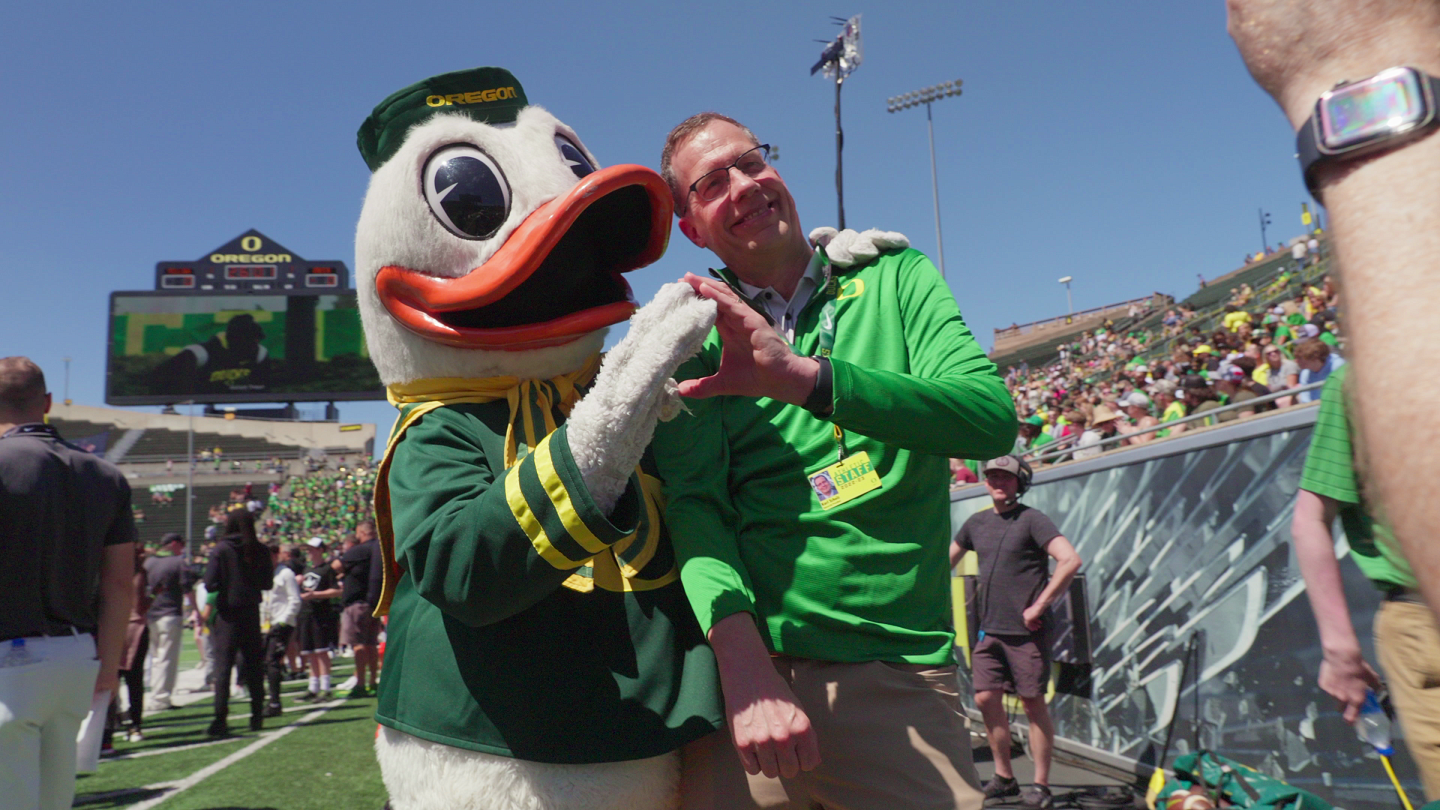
(1069, 441)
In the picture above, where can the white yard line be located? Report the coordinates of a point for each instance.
(175, 788)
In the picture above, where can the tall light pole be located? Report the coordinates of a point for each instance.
(1068, 302)
(67, 381)
(190, 483)
(1264, 221)
(928, 96)
(839, 60)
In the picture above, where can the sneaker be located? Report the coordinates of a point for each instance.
(358, 692)
(1000, 787)
(162, 707)
(273, 710)
(1038, 798)
(325, 695)
(107, 750)
(216, 729)
(257, 722)
(134, 735)
(308, 697)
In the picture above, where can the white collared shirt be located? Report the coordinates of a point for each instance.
(784, 313)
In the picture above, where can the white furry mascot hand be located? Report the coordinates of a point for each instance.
(611, 426)
(848, 248)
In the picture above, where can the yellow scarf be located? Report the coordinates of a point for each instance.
(426, 395)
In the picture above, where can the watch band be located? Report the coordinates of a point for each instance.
(1308, 138)
(821, 401)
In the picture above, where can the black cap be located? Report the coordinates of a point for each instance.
(172, 537)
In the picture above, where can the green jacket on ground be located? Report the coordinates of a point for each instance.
(869, 579)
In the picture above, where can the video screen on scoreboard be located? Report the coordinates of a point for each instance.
(174, 347)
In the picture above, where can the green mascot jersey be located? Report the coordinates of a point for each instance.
(502, 636)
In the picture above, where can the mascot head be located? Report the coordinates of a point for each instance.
(491, 242)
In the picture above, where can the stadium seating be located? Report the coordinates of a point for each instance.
(160, 520)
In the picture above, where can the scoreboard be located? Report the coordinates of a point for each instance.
(252, 262)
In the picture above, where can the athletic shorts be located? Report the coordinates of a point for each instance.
(316, 633)
(357, 627)
(1015, 665)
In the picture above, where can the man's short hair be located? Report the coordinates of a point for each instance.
(1315, 351)
(682, 132)
(22, 384)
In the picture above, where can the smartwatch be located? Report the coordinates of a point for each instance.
(1355, 119)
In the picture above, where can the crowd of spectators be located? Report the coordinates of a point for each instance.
(326, 503)
(1121, 379)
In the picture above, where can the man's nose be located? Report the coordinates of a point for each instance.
(741, 184)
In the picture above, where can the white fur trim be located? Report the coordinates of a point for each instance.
(610, 428)
(422, 775)
(848, 248)
(396, 227)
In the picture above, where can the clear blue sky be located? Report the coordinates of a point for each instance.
(1122, 143)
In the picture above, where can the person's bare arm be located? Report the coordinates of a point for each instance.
(767, 726)
(1343, 671)
(1067, 562)
(117, 591)
(1384, 229)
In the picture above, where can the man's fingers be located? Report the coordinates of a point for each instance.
(785, 756)
(807, 746)
(703, 388)
(765, 755)
(748, 759)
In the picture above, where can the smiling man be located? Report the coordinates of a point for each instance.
(827, 612)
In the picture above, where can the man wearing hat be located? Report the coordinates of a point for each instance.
(1137, 407)
(167, 577)
(317, 619)
(1103, 425)
(1013, 544)
(1170, 408)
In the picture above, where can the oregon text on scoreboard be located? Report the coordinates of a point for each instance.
(251, 262)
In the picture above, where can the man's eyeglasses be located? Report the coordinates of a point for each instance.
(713, 184)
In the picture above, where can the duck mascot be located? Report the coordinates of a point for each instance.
(540, 653)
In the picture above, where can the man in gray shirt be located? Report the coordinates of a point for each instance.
(1014, 545)
(67, 564)
(168, 578)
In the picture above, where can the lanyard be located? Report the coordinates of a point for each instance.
(827, 293)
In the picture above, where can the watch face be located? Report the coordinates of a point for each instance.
(1388, 103)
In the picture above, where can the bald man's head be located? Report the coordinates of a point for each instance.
(22, 391)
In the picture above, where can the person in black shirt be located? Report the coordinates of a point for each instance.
(1014, 544)
(359, 628)
(317, 619)
(67, 560)
(237, 572)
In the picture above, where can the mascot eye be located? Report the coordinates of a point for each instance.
(467, 192)
(573, 157)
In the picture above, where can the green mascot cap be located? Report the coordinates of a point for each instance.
(490, 95)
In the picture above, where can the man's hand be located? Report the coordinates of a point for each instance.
(769, 729)
(1034, 617)
(1346, 677)
(107, 680)
(1298, 49)
(756, 361)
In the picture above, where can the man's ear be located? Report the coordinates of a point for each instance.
(47, 402)
(688, 228)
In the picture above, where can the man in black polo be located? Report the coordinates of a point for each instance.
(67, 562)
(168, 577)
(359, 628)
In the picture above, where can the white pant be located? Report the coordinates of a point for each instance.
(166, 633)
(41, 708)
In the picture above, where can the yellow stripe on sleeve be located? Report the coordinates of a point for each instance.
(560, 499)
(530, 524)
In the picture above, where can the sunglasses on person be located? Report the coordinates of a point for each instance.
(712, 185)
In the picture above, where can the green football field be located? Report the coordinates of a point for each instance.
(314, 756)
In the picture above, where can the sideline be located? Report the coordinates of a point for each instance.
(175, 788)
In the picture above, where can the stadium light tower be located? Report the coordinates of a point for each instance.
(1068, 302)
(838, 61)
(928, 96)
(1264, 221)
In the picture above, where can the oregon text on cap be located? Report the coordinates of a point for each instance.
(473, 97)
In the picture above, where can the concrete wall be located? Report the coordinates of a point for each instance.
(300, 434)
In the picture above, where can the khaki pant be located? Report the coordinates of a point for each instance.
(1408, 644)
(166, 633)
(891, 736)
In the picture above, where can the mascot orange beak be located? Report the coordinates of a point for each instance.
(556, 278)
